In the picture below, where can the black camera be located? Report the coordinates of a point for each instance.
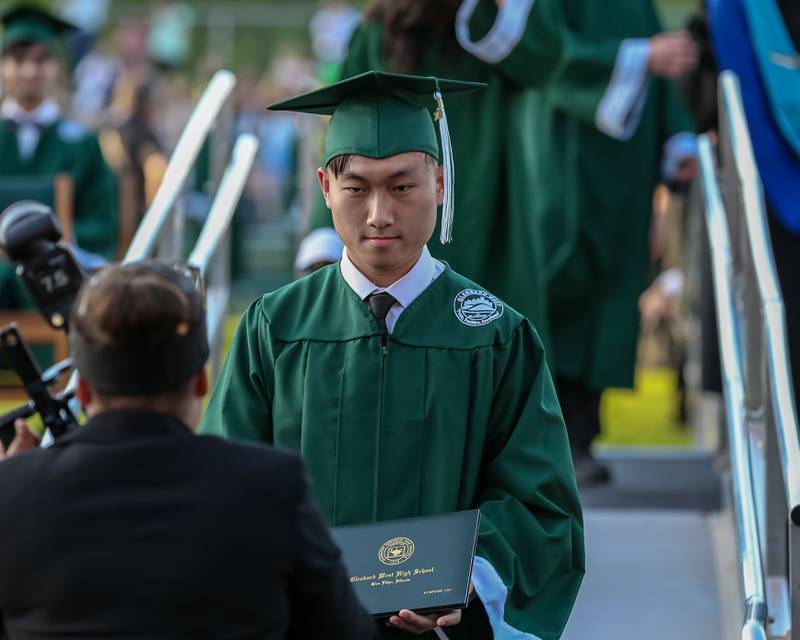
(29, 234)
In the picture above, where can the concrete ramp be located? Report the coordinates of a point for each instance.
(650, 574)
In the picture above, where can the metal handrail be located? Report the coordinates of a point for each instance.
(755, 620)
(180, 164)
(224, 204)
(210, 254)
(782, 393)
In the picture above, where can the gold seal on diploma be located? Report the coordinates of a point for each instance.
(396, 551)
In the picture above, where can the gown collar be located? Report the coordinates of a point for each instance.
(405, 290)
(44, 115)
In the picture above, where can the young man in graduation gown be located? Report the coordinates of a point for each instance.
(599, 153)
(408, 388)
(35, 137)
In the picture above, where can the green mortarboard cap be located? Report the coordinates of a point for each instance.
(378, 114)
(28, 23)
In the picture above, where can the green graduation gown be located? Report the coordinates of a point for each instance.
(65, 146)
(594, 195)
(444, 417)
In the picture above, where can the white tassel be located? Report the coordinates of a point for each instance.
(446, 234)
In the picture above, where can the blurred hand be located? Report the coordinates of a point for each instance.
(500, 3)
(655, 307)
(417, 624)
(659, 222)
(672, 55)
(24, 440)
(687, 170)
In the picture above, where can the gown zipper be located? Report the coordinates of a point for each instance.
(379, 425)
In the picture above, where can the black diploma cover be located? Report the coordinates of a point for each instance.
(423, 564)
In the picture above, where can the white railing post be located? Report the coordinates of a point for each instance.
(211, 253)
(744, 499)
(769, 390)
(149, 233)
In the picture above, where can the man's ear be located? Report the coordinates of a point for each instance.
(84, 392)
(200, 384)
(325, 185)
(439, 185)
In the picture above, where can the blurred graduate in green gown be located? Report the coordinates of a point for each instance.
(599, 154)
(36, 140)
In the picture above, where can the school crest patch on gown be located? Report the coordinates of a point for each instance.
(476, 308)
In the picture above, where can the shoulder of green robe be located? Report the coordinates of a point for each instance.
(457, 313)
(319, 307)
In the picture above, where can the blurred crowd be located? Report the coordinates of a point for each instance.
(136, 78)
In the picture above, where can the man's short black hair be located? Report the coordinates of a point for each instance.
(131, 320)
(18, 50)
(339, 164)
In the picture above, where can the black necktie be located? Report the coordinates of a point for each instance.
(379, 304)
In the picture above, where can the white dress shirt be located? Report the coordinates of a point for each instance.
(29, 123)
(404, 291)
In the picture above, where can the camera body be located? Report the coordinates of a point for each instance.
(29, 234)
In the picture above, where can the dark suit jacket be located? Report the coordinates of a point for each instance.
(134, 527)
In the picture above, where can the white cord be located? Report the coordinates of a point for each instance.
(448, 205)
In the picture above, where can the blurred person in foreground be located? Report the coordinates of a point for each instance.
(599, 155)
(409, 389)
(132, 526)
(35, 137)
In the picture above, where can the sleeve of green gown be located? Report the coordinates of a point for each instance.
(590, 76)
(519, 39)
(531, 526)
(240, 405)
(95, 202)
(602, 82)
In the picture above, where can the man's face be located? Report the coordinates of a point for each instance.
(29, 71)
(384, 210)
